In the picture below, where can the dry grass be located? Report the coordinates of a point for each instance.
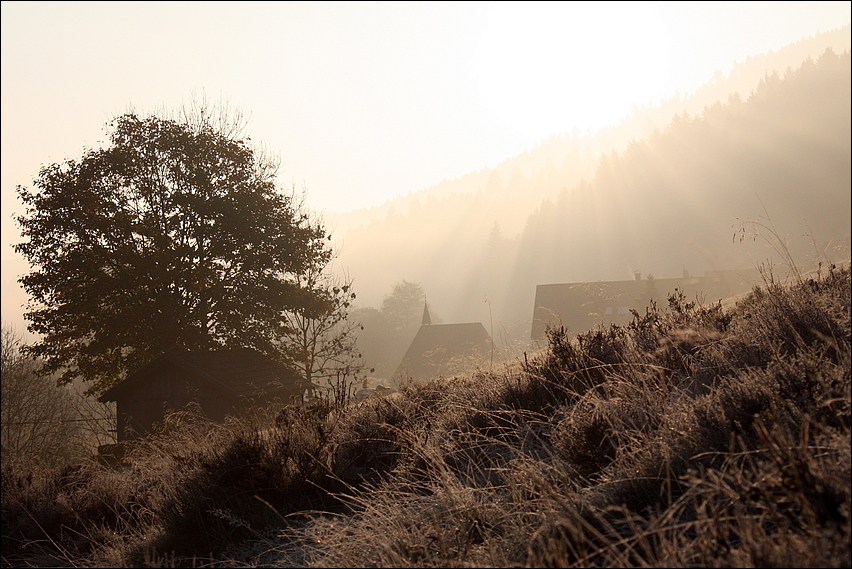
(695, 436)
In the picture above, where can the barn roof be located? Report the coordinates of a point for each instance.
(435, 345)
(242, 372)
(580, 306)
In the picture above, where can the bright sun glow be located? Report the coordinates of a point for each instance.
(553, 67)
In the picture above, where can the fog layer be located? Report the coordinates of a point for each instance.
(660, 199)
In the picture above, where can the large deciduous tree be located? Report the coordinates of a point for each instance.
(173, 235)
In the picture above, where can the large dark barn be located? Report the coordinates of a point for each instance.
(582, 306)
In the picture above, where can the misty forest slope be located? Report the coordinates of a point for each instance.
(663, 196)
(669, 202)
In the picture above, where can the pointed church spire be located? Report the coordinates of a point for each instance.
(426, 318)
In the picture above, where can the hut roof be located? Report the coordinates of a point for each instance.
(242, 372)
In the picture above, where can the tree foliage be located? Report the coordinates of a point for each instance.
(173, 235)
(403, 307)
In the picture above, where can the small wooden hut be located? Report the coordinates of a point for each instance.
(221, 382)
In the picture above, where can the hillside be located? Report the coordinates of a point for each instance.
(694, 436)
(675, 200)
(477, 237)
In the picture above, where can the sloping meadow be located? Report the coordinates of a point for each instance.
(694, 436)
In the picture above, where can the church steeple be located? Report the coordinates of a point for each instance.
(426, 318)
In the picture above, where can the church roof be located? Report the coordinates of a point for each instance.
(439, 349)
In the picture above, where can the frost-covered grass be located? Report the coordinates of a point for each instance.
(695, 436)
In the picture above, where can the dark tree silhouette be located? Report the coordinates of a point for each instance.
(174, 235)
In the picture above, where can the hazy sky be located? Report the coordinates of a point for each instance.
(364, 101)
